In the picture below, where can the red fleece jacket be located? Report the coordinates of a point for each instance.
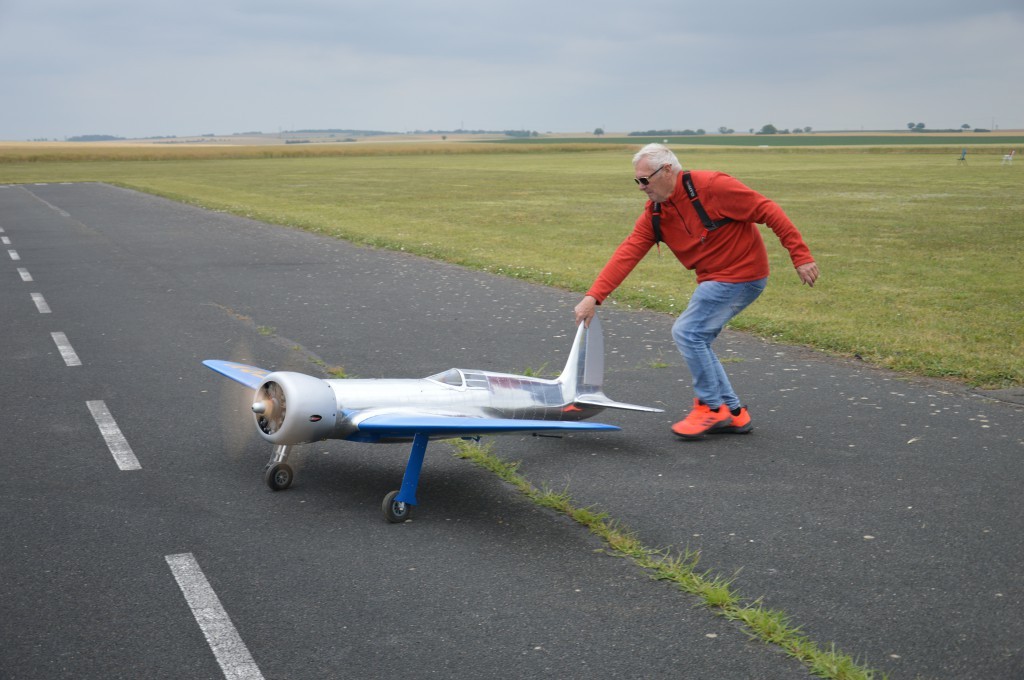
(734, 253)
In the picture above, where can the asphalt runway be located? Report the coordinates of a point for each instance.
(882, 513)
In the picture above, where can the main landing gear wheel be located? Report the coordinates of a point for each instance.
(278, 476)
(395, 511)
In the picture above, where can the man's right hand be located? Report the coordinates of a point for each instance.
(586, 310)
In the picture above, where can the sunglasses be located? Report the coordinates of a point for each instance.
(644, 181)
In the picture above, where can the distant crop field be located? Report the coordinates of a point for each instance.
(921, 256)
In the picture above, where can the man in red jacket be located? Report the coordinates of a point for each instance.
(709, 222)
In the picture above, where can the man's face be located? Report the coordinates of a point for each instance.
(660, 180)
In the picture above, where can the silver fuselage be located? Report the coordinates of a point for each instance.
(456, 392)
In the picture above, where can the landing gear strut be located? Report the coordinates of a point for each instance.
(397, 505)
(278, 474)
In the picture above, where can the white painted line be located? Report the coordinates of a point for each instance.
(116, 442)
(2, 230)
(66, 350)
(14, 255)
(40, 303)
(60, 212)
(5, 240)
(227, 646)
(25, 276)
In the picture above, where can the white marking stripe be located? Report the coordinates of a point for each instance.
(227, 646)
(6, 241)
(25, 276)
(14, 255)
(40, 303)
(116, 442)
(66, 350)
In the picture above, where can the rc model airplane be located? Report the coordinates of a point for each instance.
(294, 408)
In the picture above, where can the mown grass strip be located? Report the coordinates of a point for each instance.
(716, 592)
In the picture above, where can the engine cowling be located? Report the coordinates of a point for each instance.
(294, 408)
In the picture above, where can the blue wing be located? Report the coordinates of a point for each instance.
(405, 426)
(250, 376)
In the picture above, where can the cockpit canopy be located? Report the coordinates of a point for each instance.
(452, 376)
(457, 377)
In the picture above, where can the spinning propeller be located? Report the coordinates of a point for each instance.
(270, 407)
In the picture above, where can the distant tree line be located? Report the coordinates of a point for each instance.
(667, 133)
(365, 133)
(95, 138)
(770, 129)
(460, 131)
(765, 130)
(920, 127)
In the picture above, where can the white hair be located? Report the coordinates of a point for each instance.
(656, 156)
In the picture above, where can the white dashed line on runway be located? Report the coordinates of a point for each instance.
(5, 240)
(40, 303)
(118, 445)
(227, 646)
(14, 255)
(66, 350)
(23, 273)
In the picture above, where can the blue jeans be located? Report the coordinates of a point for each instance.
(712, 305)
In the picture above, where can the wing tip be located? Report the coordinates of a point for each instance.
(250, 376)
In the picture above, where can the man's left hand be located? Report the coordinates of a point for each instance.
(808, 273)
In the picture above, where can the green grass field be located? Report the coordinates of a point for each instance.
(921, 258)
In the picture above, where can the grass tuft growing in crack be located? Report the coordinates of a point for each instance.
(715, 591)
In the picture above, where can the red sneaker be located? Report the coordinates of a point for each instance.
(741, 424)
(701, 419)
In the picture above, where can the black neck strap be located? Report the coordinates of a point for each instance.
(691, 192)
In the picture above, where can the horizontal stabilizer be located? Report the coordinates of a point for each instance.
(398, 425)
(250, 376)
(602, 401)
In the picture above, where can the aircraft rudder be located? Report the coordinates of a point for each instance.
(584, 368)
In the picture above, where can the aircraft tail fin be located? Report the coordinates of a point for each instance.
(582, 379)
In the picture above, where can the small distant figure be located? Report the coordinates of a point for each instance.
(1008, 158)
(963, 158)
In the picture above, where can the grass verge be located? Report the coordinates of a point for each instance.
(715, 591)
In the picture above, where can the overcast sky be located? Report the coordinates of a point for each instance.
(134, 68)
